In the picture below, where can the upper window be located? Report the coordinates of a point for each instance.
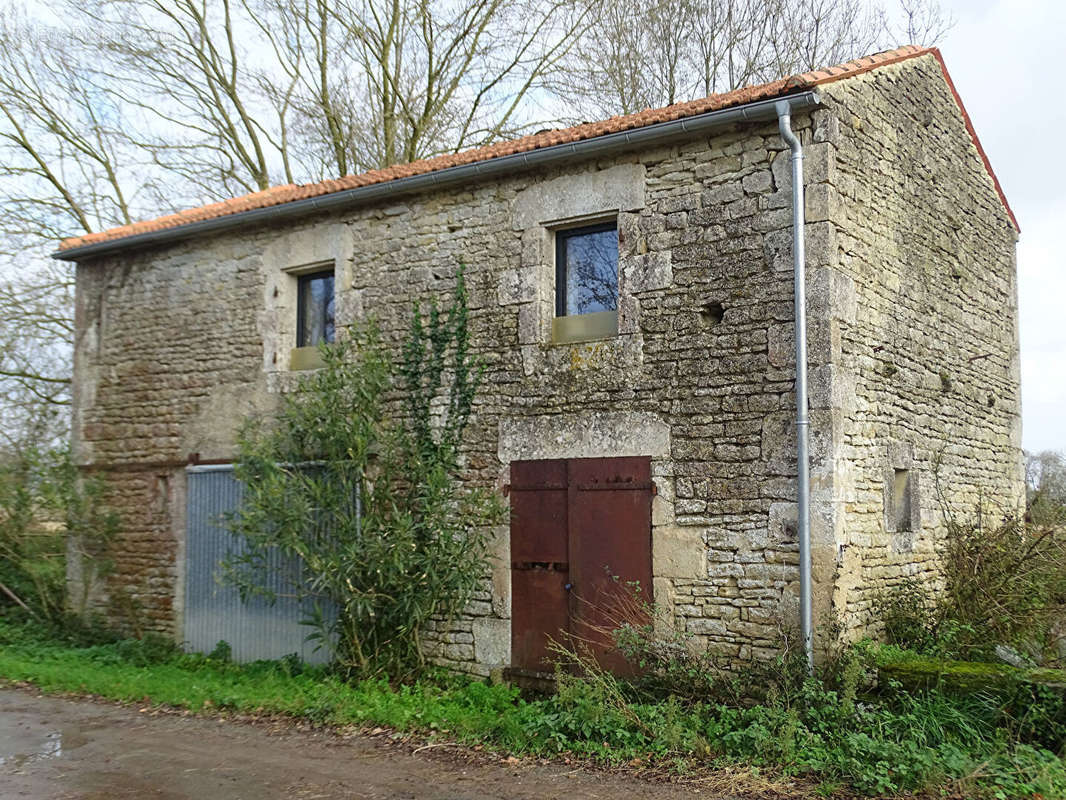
(314, 317)
(586, 270)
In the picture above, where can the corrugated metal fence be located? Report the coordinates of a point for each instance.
(214, 612)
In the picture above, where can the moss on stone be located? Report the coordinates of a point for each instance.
(917, 672)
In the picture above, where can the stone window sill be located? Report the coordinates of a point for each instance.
(585, 327)
(305, 358)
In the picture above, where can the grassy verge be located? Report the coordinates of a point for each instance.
(900, 742)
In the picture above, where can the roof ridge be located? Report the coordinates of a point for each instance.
(279, 195)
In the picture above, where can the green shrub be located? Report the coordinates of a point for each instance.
(1003, 585)
(375, 510)
(1034, 714)
(152, 648)
(1022, 772)
(908, 613)
(587, 717)
(48, 513)
(222, 651)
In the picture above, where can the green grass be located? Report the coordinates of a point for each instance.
(899, 742)
(157, 675)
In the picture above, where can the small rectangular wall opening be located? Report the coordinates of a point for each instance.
(901, 500)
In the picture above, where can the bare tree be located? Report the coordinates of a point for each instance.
(187, 68)
(434, 77)
(65, 168)
(729, 42)
(807, 34)
(1045, 488)
(919, 22)
(1045, 474)
(242, 94)
(65, 165)
(36, 326)
(656, 52)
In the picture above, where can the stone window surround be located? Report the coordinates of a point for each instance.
(296, 357)
(291, 254)
(569, 201)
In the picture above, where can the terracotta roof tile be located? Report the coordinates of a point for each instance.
(278, 195)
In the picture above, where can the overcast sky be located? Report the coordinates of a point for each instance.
(1004, 58)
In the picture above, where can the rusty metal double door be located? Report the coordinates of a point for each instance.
(580, 543)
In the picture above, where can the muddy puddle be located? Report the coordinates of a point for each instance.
(23, 745)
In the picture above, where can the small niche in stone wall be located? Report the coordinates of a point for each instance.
(711, 313)
(161, 494)
(902, 511)
(901, 500)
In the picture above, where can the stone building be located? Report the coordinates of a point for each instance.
(631, 293)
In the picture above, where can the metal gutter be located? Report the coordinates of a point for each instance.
(803, 469)
(651, 134)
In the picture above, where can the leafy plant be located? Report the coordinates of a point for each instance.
(49, 513)
(908, 613)
(222, 651)
(1003, 585)
(1006, 583)
(367, 496)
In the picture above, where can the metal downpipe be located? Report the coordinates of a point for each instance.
(803, 475)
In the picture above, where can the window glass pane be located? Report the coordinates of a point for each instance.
(327, 325)
(316, 309)
(591, 272)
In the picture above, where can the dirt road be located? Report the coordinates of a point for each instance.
(64, 749)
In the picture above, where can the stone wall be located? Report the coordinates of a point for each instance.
(176, 344)
(926, 338)
(166, 363)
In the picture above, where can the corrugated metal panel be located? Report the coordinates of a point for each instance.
(255, 629)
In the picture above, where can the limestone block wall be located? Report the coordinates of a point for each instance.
(927, 368)
(177, 344)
